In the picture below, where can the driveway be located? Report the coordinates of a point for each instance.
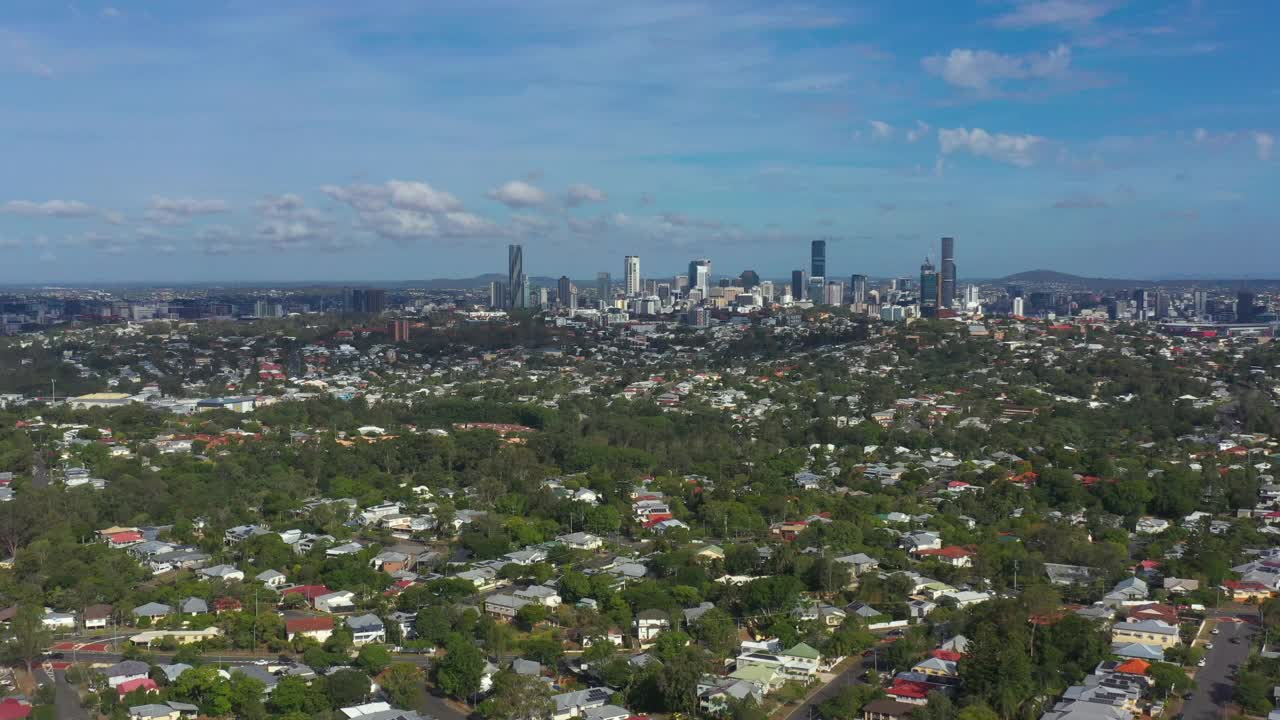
(1214, 685)
(66, 699)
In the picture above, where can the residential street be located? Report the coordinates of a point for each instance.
(809, 708)
(66, 699)
(1213, 682)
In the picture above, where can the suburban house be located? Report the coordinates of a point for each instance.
(97, 617)
(504, 606)
(649, 624)
(366, 629)
(540, 594)
(578, 702)
(222, 572)
(179, 637)
(886, 709)
(581, 541)
(336, 602)
(316, 627)
(151, 611)
(125, 671)
(1147, 632)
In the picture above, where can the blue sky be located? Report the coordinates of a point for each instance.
(229, 140)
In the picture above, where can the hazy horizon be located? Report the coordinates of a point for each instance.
(285, 142)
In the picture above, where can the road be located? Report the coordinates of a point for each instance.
(66, 698)
(1213, 682)
(849, 676)
(39, 469)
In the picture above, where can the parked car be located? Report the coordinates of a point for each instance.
(1200, 663)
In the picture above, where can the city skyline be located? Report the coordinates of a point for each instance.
(1044, 134)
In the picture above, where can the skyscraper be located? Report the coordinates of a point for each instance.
(1198, 300)
(928, 288)
(516, 279)
(947, 286)
(564, 291)
(835, 293)
(498, 295)
(1143, 303)
(700, 275)
(797, 285)
(749, 279)
(858, 285)
(818, 259)
(631, 269)
(1245, 312)
(604, 284)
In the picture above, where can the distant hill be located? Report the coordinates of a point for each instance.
(1053, 277)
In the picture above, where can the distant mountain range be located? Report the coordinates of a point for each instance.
(1053, 277)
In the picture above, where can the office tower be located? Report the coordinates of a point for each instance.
(748, 279)
(1199, 299)
(928, 286)
(564, 291)
(398, 330)
(631, 274)
(1144, 304)
(1018, 309)
(817, 291)
(604, 285)
(680, 284)
(663, 291)
(835, 293)
(947, 287)
(1162, 306)
(1245, 311)
(542, 297)
(348, 300)
(516, 279)
(375, 301)
(700, 275)
(971, 295)
(498, 295)
(649, 287)
(858, 288)
(818, 258)
(797, 285)
(766, 290)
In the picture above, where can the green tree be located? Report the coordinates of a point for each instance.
(458, 673)
(30, 637)
(717, 631)
(405, 685)
(977, 711)
(373, 659)
(346, 687)
(518, 697)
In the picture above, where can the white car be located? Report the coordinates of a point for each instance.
(1200, 662)
(1208, 646)
(1214, 631)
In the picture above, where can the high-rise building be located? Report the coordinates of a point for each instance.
(542, 297)
(1245, 311)
(817, 292)
(835, 293)
(749, 279)
(398, 330)
(348, 300)
(797, 285)
(604, 285)
(1018, 309)
(858, 288)
(1144, 303)
(631, 270)
(680, 283)
(928, 287)
(1162, 305)
(971, 298)
(564, 293)
(766, 290)
(818, 258)
(1199, 300)
(498, 296)
(947, 281)
(700, 275)
(517, 281)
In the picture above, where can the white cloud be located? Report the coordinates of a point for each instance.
(581, 194)
(365, 198)
(402, 225)
(177, 211)
(1060, 13)
(49, 208)
(1265, 143)
(113, 217)
(280, 205)
(421, 197)
(1017, 150)
(519, 194)
(921, 130)
(982, 70)
(111, 12)
(881, 130)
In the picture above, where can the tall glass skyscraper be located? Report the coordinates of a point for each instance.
(516, 278)
(818, 259)
(947, 276)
